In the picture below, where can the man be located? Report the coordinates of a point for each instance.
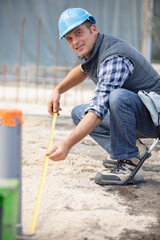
(116, 117)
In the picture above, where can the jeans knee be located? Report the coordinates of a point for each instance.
(74, 117)
(116, 97)
(120, 99)
(76, 114)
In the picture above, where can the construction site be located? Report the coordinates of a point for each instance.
(33, 62)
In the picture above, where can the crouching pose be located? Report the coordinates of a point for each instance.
(116, 117)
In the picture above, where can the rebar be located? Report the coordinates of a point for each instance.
(37, 58)
(18, 71)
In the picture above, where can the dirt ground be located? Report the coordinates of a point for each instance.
(72, 205)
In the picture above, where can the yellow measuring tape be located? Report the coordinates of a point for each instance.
(35, 212)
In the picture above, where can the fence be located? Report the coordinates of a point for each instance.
(29, 85)
(34, 84)
(25, 85)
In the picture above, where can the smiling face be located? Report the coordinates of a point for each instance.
(82, 39)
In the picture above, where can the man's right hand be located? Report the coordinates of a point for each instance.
(53, 103)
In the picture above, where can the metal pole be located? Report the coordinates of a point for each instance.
(20, 59)
(149, 36)
(37, 58)
(146, 44)
(10, 149)
(4, 80)
(26, 75)
(57, 58)
(45, 84)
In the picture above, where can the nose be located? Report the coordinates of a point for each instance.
(74, 40)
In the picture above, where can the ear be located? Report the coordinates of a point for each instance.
(94, 28)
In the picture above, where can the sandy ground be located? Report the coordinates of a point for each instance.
(72, 205)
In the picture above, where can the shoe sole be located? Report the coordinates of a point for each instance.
(132, 181)
(128, 181)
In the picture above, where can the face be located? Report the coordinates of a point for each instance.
(82, 39)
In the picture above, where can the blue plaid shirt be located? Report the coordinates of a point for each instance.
(112, 73)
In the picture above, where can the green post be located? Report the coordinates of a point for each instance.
(9, 208)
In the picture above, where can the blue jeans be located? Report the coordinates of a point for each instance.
(126, 120)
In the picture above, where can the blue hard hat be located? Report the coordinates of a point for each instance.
(71, 18)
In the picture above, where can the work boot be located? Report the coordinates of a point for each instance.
(110, 163)
(120, 173)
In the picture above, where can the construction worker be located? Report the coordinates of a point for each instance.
(116, 117)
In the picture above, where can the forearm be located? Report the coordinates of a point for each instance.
(86, 125)
(73, 78)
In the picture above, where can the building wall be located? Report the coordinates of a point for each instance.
(18, 45)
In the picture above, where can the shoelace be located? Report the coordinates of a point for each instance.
(118, 167)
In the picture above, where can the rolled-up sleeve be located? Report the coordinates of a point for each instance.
(112, 73)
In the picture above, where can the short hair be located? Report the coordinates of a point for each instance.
(88, 23)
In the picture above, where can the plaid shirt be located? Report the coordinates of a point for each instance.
(112, 73)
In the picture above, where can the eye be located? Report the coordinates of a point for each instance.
(68, 39)
(79, 33)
